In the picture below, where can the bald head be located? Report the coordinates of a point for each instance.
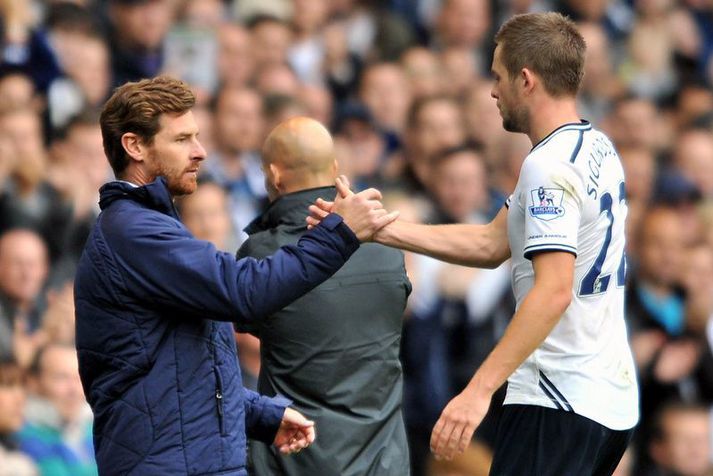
(298, 154)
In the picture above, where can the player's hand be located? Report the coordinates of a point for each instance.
(362, 212)
(295, 433)
(457, 423)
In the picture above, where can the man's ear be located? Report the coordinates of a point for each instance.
(528, 80)
(276, 176)
(134, 146)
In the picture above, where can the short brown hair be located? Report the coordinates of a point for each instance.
(136, 107)
(11, 374)
(547, 43)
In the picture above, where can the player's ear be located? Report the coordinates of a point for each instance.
(528, 78)
(275, 176)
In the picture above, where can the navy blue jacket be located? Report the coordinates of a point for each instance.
(157, 356)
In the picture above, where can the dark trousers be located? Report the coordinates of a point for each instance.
(539, 441)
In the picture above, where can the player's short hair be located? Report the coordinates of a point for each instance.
(549, 44)
(136, 107)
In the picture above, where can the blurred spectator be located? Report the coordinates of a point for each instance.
(270, 41)
(458, 65)
(57, 433)
(317, 101)
(235, 164)
(624, 124)
(236, 56)
(306, 53)
(137, 32)
(17, 92)
(385, 90)
(342, 68)
(28, 199)
(681, 441)
(693, 156)
(205, 214)
(279, 107)
(423, 72)
(277, 79)
(12, 407)
(484, 125)
(465, 24)
(23, 270)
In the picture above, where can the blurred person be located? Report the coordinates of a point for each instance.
(384, 89)
(693, 156)
(465, 24)
(359, 147)
(204, 118)
(137, 32)
(57, 433)
(482, 122)
(202, 14)
(270, 40)
(17, 92)
(278, 108)
(205, 214)
(236, 55)
(28, 198)
(335, 351)
(423, 72)
(641, 171)
(435, 123)
(458, 66)
(307, 51)
(24, 268)
(317, 101)
(12, 409)
(567, 376)
(238, 125)
(155, 306)
(681, 442)
(277, 79)
(600, 85)
(694, 104)
(510, 151)
(623, 124)
(341, 67)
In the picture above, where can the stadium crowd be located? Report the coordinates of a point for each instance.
(404, 86)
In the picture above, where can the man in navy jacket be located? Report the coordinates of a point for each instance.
(155, 306)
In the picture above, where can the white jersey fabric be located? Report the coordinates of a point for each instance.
(570, 197)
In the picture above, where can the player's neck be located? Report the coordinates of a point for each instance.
(549, 115)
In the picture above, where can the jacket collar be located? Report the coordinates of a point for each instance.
(290, 209)
(154, 195)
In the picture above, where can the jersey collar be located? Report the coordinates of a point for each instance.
(582, 125)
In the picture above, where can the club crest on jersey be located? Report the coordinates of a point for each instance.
(547, 203)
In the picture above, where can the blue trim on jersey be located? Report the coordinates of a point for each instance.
(550, 396)
(578, 147)
(554, 389)
(529, 250)
(581, 126)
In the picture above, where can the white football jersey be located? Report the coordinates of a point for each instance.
(570, 197)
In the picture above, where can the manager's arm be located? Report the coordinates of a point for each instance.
(483, 246)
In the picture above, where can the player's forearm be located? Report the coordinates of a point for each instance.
(534, 320)
(463, 244)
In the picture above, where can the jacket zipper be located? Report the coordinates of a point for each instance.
(219, 400)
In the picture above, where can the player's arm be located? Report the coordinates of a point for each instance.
(538, 314)
(484, 246)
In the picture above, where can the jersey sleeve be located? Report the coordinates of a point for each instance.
(552, 194)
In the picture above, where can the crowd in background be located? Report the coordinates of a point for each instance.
(404, 86)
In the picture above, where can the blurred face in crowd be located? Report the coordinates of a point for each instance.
(277, 79)
(85, 149)
(12, 404)
(309, 15)
(439, 126)
(317, 102)
(16, 91)
(203, 13)
(640, 172)
(463, 23)
(693, 155)
(238, 121)
(482, 117)
(685, 445)
(23, 132)
(423, 72)
(23, 265)
(597, 64)
(58, 380)
(458, 65)
(176, 153)
(144, 24)
(460, 185)
(235, 58)
(205, 214)
(624, 125)
(516, 117)
(270, 41)
(660, 247)
(385, 91)
(85, 59)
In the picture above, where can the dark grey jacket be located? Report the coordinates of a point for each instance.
(335, 352)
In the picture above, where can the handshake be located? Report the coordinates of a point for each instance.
(362, 212)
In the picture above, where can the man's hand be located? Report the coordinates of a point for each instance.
(295, 432)
(362, 212)
(458, 421)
